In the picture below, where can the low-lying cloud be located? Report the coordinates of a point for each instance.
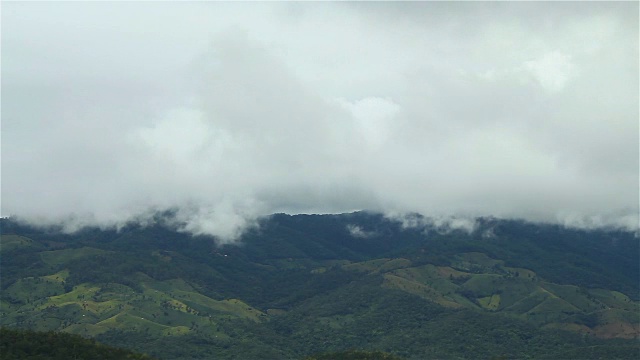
(228, 112)
(358, 232)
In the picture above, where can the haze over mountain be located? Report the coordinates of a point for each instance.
(226, 112)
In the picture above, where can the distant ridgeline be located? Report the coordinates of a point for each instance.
(351, 284)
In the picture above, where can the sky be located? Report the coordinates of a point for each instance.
(226, 112)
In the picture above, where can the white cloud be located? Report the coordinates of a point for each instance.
(442, 224)
(373, 119)
(357, 232)
(552, 70)
(228, 111)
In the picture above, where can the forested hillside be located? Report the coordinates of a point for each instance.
(26, 344)
(299, 286)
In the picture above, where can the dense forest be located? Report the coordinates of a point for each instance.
(25, 344)
(358, 284)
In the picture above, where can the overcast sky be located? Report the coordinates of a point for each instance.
(230, 111)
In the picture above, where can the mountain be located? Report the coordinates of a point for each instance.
(303, 285)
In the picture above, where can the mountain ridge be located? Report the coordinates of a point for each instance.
(292, 270)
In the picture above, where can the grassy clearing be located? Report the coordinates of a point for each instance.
(513, 290)
(30, 289)
(609, 316)
(175, 331)
(366, 266)
(521, 273)
(79, 293)
(7, 307)
(573, 295)
(102, 307)
(241, 309)
(614, 299)
(476, 262)
(428, 275)
(552, 309)
(423, 274)
(184, 298)
(424, 291)
(451, 273)
(483, 285)
(527, 303)
(133, 320)
(11, 242)
(490, 302)
(622, 330)
(393, 264)
(60, 276)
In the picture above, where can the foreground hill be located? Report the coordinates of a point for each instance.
(307, 284)
(25, 344)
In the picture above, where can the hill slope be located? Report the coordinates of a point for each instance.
(306, 284)
(25, 344)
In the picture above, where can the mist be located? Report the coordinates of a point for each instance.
(228, 112)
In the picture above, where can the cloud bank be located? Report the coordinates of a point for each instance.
(228, 112)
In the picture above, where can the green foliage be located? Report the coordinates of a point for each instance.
(354, 355)
(24, 344)
(302, 285)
